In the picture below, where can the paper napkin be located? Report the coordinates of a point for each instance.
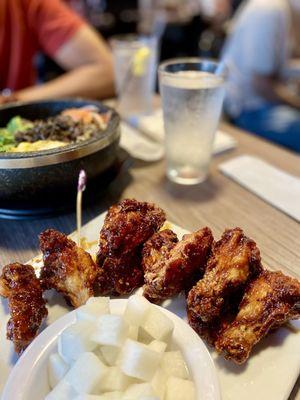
(139, 145)
(152, 127)
(273, 185)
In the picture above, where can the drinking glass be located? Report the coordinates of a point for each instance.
(135, 60)
(192, 92)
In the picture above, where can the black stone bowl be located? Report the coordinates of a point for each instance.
(38, 182)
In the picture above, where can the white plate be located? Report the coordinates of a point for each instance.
(31, 370)
(269, 374)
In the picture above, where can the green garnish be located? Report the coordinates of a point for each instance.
(7, 140)
(7, 135)
(17, 124)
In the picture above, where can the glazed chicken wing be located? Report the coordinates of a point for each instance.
(119, 275)
(269, 301)
(235, 260)
(67, 268)
(19, 284)
(126, 227)
(157, 248)
(171, 266)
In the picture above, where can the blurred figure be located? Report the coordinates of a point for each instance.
(264, 38)
(27, 26)
(182, 24)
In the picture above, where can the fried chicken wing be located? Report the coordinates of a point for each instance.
(67, 268)
(171, 266)
(119, 275)
(126, 227)
(269, 301)
(157, 248)
(19, 284)
(235, 260)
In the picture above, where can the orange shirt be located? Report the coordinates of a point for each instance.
(27, 26)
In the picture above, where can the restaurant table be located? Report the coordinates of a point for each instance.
(218, 203)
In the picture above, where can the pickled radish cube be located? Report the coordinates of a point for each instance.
(144, 337)
(112, 396)
(149, 398)
(104, 396)
(102, 301)
(138, 361)
(158, 325)
(115, 380)
(62, 391)
(75, 340)
(159, 382)
(180, 389)
(57, 369)
(158, 345)
(137, 390)
(109, 354)
(99, 354)
(111, 330)
(133, 332)
(136, 310)
(87, 374)
(174, 365)
(92, 311)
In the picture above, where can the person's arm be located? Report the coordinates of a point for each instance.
(275, 91)
(88, 61)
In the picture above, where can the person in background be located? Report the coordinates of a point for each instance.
(27, 26)
(265, 37)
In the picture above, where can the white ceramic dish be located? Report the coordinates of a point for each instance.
(31, 370)
(269, 374)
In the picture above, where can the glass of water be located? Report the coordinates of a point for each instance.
(192, 92)
(135, 62)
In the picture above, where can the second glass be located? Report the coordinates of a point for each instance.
(135, 60)
(192, 92)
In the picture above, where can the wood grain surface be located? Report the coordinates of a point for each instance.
(217, 203)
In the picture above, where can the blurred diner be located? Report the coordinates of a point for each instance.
(60, 48)
(263, 86)
(29, 26)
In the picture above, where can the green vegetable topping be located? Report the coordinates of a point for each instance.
(17, 124)
(7, 140)
(7, 135)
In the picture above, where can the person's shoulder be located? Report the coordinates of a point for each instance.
(268, 6)
(260, 12)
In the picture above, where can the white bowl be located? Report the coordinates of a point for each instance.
(29, 379)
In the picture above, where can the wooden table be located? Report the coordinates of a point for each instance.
(218, 203)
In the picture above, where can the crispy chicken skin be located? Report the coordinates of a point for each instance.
(127, 226)
(67, 268)
(171, 267)
(157, 248)
(234, 261)
(19, 284)
(119, 276)
(269, 301)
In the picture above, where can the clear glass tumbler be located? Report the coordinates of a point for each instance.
(192, 92)
(135, 63)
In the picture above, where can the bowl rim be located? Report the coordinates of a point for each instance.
(50, 335)
(68, 152)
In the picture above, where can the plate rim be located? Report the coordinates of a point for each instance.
(50, 334)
